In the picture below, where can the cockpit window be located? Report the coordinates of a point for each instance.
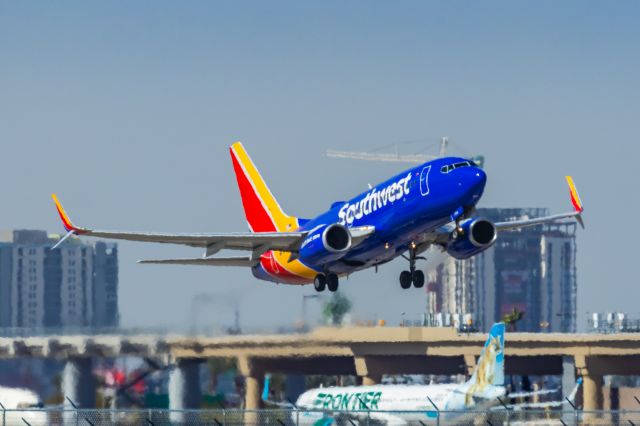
(449, 167)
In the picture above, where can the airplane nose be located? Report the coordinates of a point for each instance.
(480, 180)
(474, 179)
(480, 177)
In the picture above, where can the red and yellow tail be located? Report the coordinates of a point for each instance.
(263, 212)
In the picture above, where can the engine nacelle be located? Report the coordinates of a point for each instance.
(477, 235)
(325, 244)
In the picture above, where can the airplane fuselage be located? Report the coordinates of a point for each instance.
(401, 209)
(397, 404)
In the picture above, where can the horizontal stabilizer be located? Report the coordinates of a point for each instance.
(209, 261)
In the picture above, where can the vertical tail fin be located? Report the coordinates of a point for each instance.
(261, 208)
(265, 389)
(572, 396)
(490, 367)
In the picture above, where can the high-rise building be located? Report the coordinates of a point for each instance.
(105, 285)
(532, 270)
(75, 285)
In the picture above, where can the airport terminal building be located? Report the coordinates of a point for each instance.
(532, 270)
(75, 285)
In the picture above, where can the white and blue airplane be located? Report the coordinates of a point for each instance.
(411, 404)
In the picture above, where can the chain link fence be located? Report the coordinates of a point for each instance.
(282, 417)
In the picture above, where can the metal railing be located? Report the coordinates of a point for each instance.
(282, 417)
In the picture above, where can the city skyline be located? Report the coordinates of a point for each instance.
(74, 287)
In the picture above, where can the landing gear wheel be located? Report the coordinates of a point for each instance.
(332, 282)
(413, 275)
(405, 279)
(418, 279)
(319, 282)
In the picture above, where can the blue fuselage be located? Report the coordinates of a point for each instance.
(402, 209)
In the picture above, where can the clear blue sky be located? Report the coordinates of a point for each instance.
(126, 109)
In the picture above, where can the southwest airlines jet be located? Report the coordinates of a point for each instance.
(429, 205)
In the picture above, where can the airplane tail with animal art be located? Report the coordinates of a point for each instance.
(488, 376)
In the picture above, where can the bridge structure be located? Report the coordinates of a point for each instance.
(366, 352)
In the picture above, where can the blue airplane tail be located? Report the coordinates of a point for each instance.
(490, 366)
(265, 389)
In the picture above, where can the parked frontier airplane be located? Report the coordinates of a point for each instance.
(429, 205)
(413, 404)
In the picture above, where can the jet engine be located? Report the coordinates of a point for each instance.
(326, 243)
(477, 235)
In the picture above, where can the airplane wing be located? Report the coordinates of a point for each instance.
(569, 399)
(575, 214)
(258, 242)
(443, 234)
(206, 261)
(532, 393)
(519, 224)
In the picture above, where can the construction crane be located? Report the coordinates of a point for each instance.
(396, 157)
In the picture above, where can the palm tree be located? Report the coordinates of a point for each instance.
(336, 308)
(512, 318)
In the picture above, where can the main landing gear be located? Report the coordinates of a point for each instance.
(413, 275)
(329, 281)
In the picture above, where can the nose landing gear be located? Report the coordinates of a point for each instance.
(413, 275)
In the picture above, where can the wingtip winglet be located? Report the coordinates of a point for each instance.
(66, 221)
(575, 198)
